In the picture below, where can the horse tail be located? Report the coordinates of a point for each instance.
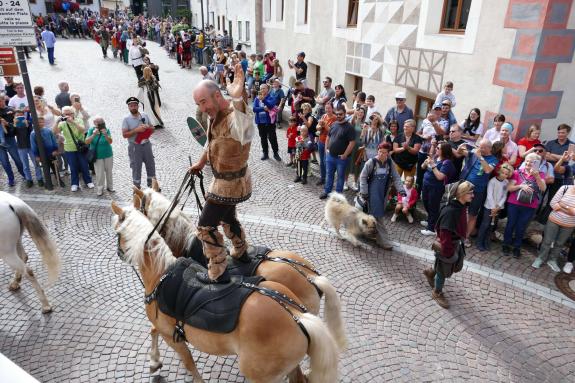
(332, 311)
(322, 350)
(41, 238)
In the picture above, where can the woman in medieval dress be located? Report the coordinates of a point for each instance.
(150, 96)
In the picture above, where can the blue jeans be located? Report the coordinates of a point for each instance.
(321, 150)
(13, 151)
(439, 281)
(199, 55)
(24, 154)
(431, 197)
(78, 163)
(518, 217)
(483, 240)
(333, 164)
(50, 55)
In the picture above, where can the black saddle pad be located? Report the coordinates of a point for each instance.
(235, 267)
(211, 307)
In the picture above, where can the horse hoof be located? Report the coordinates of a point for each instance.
(46, 310)
(14, 286)
(156, 367)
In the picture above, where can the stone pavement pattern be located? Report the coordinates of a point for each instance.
(494, 331)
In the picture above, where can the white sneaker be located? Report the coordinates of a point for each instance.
(537, 263)
(90, 185)
(394, 218)
(423, 223)
(345, 187)
(74, 188)
(568, 268)
(354, 187)
(553, 265)
(427, 232)
(409, 218)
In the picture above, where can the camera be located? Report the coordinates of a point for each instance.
(63, 118)
(77, 99)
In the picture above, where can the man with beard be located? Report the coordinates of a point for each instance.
(230, 132)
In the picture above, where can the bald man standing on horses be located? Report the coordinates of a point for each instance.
(230, 132)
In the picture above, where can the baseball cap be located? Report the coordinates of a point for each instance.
(400, 95)
(301, 54)
(437, 106)
(132, 99)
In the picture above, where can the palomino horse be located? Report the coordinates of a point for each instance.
(268, 340)
(302, 281)
(15, 216)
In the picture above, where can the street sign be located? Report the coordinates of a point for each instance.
(8, 63)
(16, 26)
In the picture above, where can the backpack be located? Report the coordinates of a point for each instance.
(449, 192)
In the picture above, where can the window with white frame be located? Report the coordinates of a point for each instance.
(279, 10)
(247, 31)
(267, 10)
(352, 11)
(239, 30)
(302, 12)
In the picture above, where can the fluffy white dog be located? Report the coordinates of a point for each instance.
(338, 212)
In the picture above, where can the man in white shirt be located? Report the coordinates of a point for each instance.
(371, 108)
(136, 58)
(19, 101)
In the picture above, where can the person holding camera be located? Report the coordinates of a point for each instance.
(74, 147)
(100, 140)
(136, 128)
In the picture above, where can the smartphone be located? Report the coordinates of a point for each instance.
(571, 149)
(76, 99)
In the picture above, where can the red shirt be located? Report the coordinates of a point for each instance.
(291, 135)
(305, 154)
(528, 145)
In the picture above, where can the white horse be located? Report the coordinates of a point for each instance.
(15, 216)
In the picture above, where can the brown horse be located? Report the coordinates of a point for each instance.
(269, 342)
(302, 281)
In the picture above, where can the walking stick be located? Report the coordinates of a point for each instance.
(56, 170)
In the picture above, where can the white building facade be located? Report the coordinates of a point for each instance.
(512, 57)
(241, 18)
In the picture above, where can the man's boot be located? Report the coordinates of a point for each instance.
(430, 275)
(440, 298)
(215, 251)
(237, 235)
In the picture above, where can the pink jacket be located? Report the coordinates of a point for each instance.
(411, 197)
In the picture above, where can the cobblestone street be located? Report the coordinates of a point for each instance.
(507, 322)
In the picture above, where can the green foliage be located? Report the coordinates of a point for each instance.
(180, 27)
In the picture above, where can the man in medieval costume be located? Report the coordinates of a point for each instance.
(230, 132)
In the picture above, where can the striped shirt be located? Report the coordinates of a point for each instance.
(560, 217)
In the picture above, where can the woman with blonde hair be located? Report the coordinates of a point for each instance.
(150, 97)
(72, 128)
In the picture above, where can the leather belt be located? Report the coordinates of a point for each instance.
(230, 176)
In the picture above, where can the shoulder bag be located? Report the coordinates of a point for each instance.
(91, 156)
(81, 146)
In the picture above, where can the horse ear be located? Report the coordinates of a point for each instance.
(117, 210)
(138, 191)
(155, 185)
(137, 201)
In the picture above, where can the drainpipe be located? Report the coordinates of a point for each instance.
(260, 43)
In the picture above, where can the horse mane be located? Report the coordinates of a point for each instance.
(178, 229)
(134, 230)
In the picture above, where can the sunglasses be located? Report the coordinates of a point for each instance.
(400, 99)
(539, 150)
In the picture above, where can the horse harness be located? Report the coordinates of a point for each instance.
(283, 300)
(294, 265)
